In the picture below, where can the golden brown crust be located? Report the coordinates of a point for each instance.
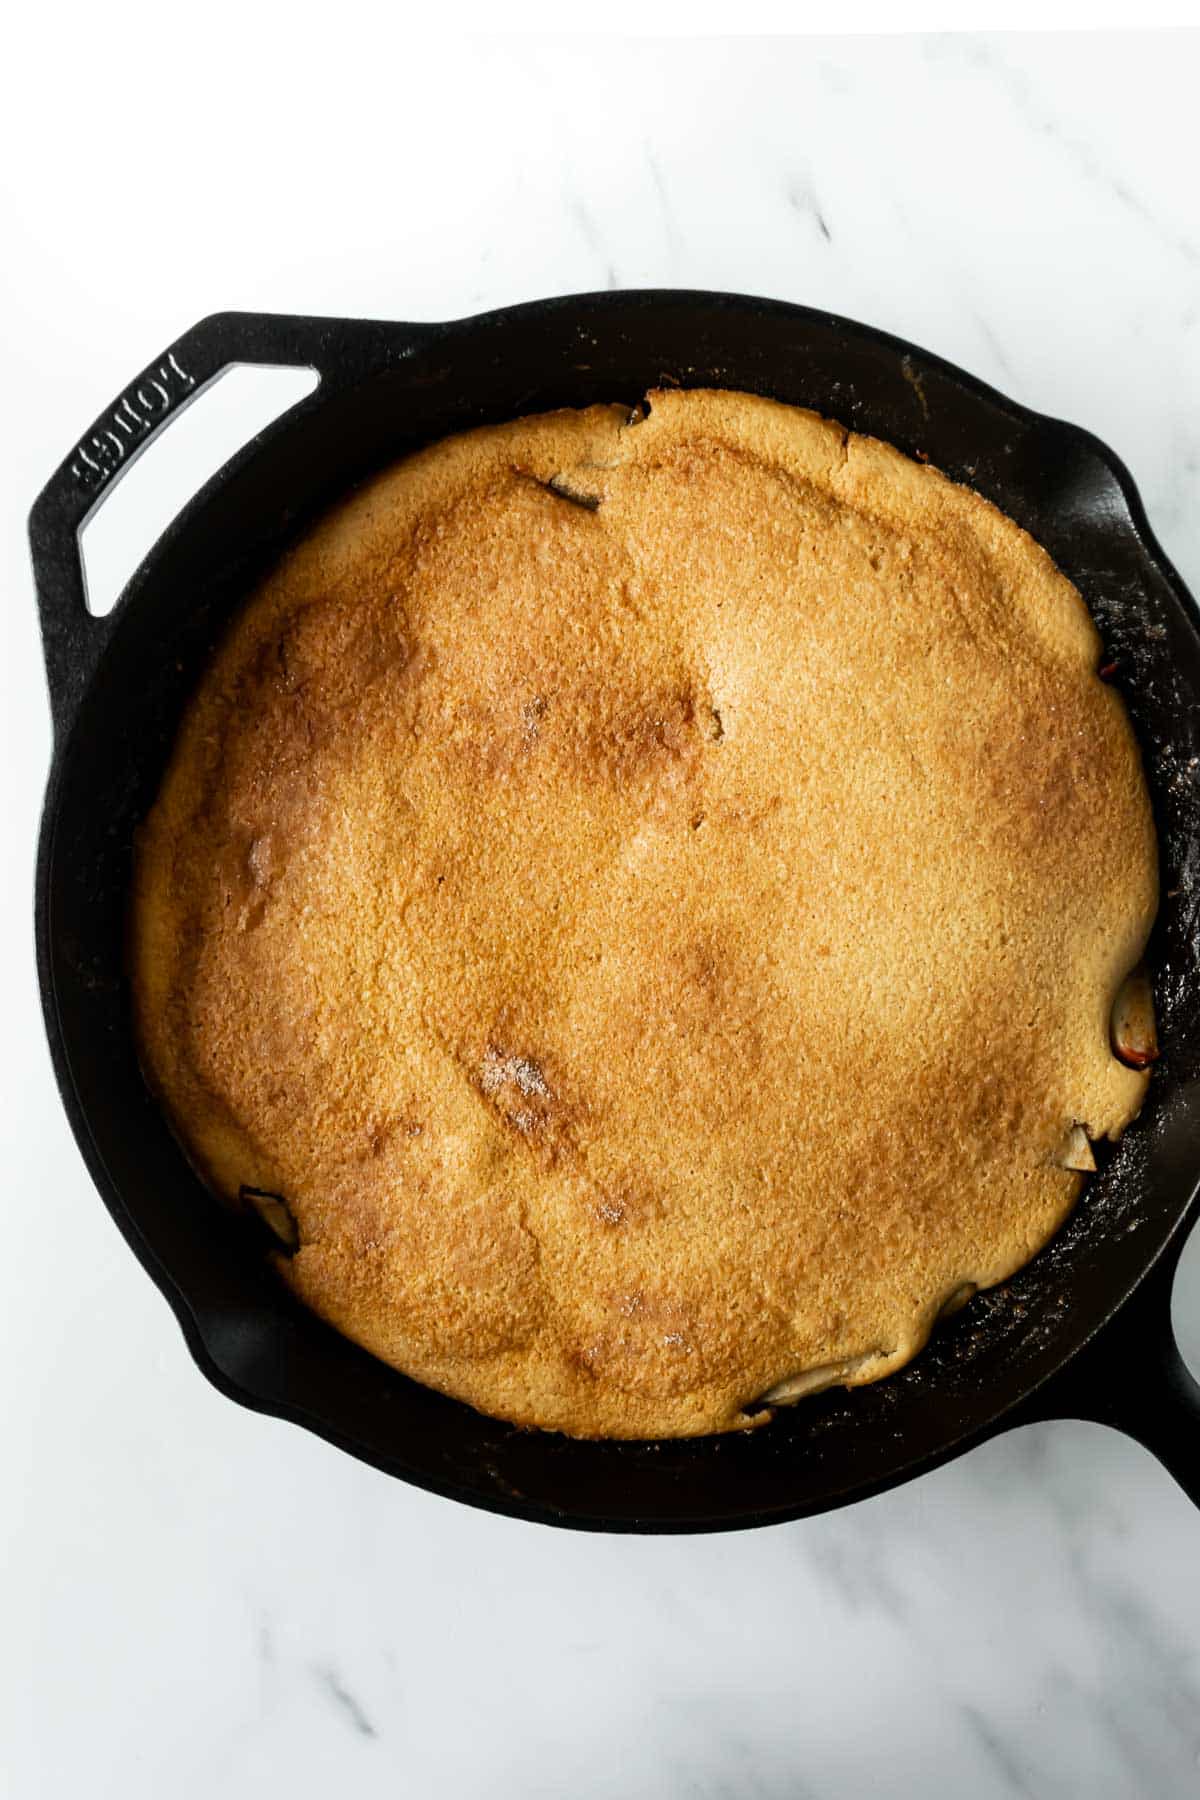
(656, 946)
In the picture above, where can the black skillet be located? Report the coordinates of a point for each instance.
(1083, 1332)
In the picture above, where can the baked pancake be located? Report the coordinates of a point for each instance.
(637, 905)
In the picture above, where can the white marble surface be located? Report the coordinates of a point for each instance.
(200, 1602)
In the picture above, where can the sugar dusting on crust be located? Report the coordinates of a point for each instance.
(522, 1072)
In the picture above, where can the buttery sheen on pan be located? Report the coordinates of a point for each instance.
(637, 905)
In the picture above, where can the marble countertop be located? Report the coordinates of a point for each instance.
(198, 1601)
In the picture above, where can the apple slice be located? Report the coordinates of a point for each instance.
(1077, 1152)
(1134, 1034)
(957, 1298)
(276, 1215)
(810, 1381)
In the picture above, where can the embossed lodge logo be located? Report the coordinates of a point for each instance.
(135, 414)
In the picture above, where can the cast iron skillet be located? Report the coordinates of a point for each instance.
(1083, 1332)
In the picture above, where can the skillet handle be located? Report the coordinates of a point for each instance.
(1132, 1377)
(72, 639)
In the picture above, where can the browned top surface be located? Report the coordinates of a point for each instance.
(654, 949)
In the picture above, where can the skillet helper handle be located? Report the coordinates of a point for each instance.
(72, 638)
(1131, 1376)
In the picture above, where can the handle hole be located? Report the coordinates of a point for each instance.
(1185, 1303)
(134, 511)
